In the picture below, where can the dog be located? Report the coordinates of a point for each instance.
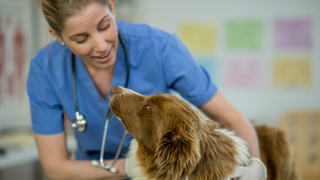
(172, 141)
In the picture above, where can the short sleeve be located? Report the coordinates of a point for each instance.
(185, 75)
(46, 111)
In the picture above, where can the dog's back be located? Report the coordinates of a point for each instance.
(276, 154)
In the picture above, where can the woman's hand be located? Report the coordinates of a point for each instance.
(255, 171)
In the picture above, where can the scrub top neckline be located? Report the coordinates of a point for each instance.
(119, 74)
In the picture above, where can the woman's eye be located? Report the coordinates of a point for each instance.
(106, 27)
(82, 41)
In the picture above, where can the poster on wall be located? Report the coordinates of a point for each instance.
(12, 58)
(293, 33)
(212, 65)
(292, 72)
(244, 34)
(198, 37)
(15, 53)
(244, 72)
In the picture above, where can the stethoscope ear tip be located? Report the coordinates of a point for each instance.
(113, 170)
(96, 163)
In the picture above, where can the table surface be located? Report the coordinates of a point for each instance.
(21, 149)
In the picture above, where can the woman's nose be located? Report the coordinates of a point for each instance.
(100, 44)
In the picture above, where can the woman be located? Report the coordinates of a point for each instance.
(158, 62)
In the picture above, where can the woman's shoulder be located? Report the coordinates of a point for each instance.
(53, 53)
(141, 30)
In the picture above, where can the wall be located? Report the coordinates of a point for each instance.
(264, 99)
(261, 100)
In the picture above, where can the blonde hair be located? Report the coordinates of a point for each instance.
(57, 12)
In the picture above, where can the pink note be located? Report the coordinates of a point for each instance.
(244, 72)
(293, 33)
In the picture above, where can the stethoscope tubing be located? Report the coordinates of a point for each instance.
(83, 120)
(104, 141)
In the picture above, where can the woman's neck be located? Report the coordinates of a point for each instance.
(102, 79)
(94, 71)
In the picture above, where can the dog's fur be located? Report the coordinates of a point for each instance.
(173, 140)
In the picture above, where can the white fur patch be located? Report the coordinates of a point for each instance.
(133, 170)
(243, 157)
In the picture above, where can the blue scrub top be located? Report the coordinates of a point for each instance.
(158, 62)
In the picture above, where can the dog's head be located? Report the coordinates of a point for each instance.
(165, 127)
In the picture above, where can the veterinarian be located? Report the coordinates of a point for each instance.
(73, 75)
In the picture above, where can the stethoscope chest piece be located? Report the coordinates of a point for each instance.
(79, 123)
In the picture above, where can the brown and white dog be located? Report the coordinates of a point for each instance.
(173, 141)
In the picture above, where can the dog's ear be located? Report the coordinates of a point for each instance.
(177, 154)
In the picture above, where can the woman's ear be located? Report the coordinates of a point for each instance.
(53, 32)
(112, 7)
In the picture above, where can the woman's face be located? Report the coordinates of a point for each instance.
(92, 35)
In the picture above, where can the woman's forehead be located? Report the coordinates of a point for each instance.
(89, 16)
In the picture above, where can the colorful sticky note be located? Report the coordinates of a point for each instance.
(212, 66)
(198, 37)
(293, 33)
(244, 72)
(244, 34)
(292, 72)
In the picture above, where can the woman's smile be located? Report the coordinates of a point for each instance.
(92, 35)
(105, 57)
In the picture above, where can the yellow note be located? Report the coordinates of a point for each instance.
(198, 37)
(292, 72)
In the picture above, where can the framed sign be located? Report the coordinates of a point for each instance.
(16, 50)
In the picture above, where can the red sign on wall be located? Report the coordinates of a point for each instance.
(12, 58)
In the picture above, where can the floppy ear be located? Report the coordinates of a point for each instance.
(178, 154)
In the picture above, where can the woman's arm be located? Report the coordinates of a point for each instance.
(219, 109)
(54, 158)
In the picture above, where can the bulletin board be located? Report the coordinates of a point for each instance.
(263, 55)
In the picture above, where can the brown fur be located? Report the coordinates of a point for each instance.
(276, 154)
(173, 140)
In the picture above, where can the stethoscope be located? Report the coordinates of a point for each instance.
(80, 122)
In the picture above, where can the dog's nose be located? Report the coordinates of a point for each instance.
(116, 89)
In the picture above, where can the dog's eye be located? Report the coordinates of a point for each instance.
(147, 105)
